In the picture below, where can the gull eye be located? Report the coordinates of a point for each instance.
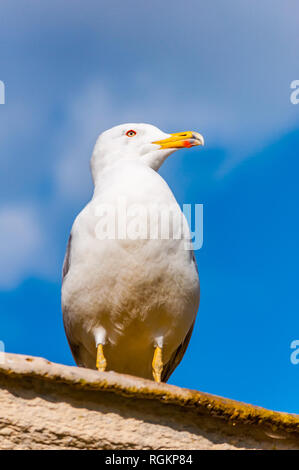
(131, 133)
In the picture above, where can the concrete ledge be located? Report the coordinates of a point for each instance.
(51, 406)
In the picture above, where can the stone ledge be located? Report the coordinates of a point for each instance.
(44, 405)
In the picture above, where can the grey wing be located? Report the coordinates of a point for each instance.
(177, 356)
(75, 348)
(194, 260)
(67, 258)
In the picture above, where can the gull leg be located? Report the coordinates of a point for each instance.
(101, 363)
(157, 364)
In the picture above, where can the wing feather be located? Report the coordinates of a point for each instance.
(67, 258)
(177, 356)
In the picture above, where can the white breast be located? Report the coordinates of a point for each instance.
(136, 290)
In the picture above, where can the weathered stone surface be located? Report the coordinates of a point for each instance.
(50, 406)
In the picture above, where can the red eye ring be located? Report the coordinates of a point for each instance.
(130, 133)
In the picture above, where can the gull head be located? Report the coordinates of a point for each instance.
(142, 142)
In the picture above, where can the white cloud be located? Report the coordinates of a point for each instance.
(224, 70)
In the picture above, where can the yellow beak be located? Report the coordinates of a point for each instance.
(181, 140)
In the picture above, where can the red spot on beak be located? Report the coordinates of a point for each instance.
(187, 143)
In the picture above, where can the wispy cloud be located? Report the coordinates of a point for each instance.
(224, 70)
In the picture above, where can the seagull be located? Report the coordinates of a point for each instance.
(130, 293)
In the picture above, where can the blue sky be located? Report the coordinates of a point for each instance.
(72, 70)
